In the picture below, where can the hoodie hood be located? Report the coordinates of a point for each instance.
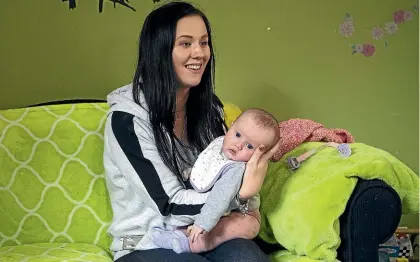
(122, 100)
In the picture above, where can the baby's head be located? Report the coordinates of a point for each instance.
(253, 128)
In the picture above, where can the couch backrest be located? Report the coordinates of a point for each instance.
(52, 184)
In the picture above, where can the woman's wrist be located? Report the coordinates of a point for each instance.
(243, 204)
(246, 193)
(241, 199)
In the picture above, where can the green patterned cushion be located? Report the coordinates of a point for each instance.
(52, 186)
(54, 252)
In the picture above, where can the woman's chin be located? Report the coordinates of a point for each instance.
(193, 82)
(192, 85)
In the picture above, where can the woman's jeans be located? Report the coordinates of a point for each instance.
(235, 250)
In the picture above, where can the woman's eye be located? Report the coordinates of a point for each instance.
(238, 134)
(205, 43)
(249, 146)
(186, 44)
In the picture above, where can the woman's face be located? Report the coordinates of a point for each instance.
(191, 51)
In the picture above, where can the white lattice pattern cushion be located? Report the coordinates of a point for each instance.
(52, 186)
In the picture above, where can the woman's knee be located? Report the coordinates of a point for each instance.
(249, 249)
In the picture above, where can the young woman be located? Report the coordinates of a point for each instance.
(155, 130)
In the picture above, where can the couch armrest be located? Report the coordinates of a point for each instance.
(371, 217)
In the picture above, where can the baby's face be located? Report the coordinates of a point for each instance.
(244, 137)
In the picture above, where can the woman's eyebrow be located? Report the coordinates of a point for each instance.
(186, 36)
(189, 36)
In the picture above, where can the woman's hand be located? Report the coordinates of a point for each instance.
(255, 172)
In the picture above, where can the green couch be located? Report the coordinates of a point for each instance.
(54, 204)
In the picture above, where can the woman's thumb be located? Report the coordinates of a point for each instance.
(258, 153)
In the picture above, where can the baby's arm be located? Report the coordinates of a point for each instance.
(220, 197)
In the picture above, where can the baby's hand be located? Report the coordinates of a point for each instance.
(193, 232)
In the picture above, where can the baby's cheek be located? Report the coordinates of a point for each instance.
(249, 154)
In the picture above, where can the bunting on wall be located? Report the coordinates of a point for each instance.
(125, 3)
(378, 32)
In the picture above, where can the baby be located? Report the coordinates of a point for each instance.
(220, 168)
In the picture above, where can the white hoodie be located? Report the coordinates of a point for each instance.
(144, 193)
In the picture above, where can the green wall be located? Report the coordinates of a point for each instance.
(285, 56)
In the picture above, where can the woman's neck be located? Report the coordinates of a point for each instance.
(181, 99)
(180, 119)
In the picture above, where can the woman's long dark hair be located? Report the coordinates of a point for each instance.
(156, 78)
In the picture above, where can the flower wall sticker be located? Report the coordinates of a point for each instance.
(391, 27)
(364, 49)
(378, 32)
(347, 27)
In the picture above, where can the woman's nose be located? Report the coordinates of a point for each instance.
(197, 52)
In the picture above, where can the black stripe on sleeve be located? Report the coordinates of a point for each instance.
(123, 127)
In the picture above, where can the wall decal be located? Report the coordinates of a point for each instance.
(402, 16)
(364, 49)
(391, 27)
(378, 32)
(72, 4)
(347, 27)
